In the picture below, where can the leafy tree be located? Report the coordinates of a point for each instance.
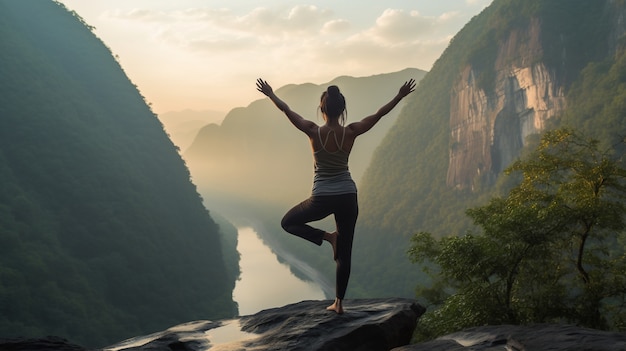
(552, 250)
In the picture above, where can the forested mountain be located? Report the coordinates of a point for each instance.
(515, 70)
(102, 234)
(256, 154)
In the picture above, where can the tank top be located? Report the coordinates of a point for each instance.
(332, 176)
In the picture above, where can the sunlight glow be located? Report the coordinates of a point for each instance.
(192, 55)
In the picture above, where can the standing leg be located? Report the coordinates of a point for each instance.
(346, 214)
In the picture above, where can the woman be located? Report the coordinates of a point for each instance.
(334, 192)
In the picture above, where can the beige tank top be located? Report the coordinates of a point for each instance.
(332, 176)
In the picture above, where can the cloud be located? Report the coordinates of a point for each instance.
(302, 38)
(259, 21)
(395, 27)
(137, 15)
(208, 56)
(335, 26)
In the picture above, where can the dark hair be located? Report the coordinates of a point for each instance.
(333, 104)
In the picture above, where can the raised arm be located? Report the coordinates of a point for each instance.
(307, 127)
(368, 122)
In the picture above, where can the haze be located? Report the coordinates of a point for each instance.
(206, 55)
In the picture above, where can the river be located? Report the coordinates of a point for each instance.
(264, 281)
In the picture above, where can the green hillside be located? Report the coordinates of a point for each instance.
(404, 189)
(102, 234)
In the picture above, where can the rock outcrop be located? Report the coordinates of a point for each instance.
(518, 338)
(367, 324)
(41, 344)
(488, 126)
(371, 324)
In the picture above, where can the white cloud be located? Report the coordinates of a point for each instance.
(394, 27)
(293, 44)
(262, 28)
(139, 15)
(336, 26)
(210, 51)
(265, 21)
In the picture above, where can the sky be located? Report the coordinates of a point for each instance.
(207, 54)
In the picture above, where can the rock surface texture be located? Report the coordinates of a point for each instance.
(367, 324)
(488, 127)
(372, 324)
(539, 337)
(47, 343)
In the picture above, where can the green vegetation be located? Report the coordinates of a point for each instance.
(552, 250)
(102, 234)
(404, 190)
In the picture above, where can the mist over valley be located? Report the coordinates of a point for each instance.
(116, 222)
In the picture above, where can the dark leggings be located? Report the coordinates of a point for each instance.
(346, 209)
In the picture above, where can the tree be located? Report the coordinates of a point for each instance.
(551, 250)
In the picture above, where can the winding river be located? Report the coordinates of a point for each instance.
(264, 281)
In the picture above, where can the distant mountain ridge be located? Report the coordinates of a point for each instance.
(183, 126)
(257, 154)
(100, 225)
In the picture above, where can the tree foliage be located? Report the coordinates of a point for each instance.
(551, 250)
(404, 189)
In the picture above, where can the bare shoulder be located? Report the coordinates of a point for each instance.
(355, 129)
(306, 126)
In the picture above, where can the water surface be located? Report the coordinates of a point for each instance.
(265, 282)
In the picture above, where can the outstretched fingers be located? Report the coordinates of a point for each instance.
(263, 86)
(408, 87)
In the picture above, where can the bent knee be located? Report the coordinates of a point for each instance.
(285, 223)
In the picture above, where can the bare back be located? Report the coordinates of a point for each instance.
(333, 139)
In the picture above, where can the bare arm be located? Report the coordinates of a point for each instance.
(307, 127)
(368, 122)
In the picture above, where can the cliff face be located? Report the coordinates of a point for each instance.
(489, 125)
(488, 128)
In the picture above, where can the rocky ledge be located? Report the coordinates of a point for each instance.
(540, 337)
(367, 324)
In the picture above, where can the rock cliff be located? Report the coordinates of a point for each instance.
(519, 338)
(488, 126)
(368, 324)
(376, 324)
(497, 101)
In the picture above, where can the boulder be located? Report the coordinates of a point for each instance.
(366, 325)
(540, 337)
(40, 344)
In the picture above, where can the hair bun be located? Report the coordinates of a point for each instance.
(333, 91)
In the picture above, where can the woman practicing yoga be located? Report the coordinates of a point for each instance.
(334, 191)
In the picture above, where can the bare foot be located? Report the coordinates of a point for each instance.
(336, 306)
(332, 239)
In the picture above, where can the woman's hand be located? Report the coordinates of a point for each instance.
(263, 87)
(406, 88)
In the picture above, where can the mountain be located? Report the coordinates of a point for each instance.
(257, 155)
(102, 234)
(183, 126)
(514, 70)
